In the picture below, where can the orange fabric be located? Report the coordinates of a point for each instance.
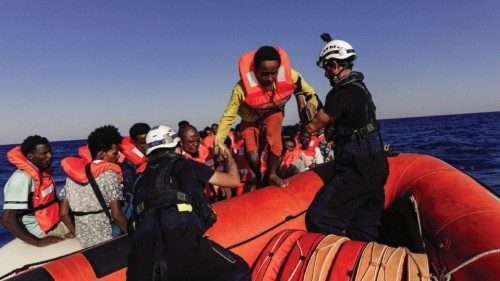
(205, 156)
(295, 265)
(71, 268)
(274, 255)
(272, 124)
(74, 167)
(258, 98)
(313, 143)
(209, 140)
(131, 152)
(44, 191)
(84, 152)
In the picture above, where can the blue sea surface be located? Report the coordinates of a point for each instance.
(469, 142)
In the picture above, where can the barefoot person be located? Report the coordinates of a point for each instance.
(267, 82)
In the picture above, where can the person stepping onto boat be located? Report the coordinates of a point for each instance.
(352, 202)
(267, 81)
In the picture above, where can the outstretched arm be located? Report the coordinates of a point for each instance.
(320, 120)
(232, 177)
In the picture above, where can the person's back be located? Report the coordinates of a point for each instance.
(172, 214)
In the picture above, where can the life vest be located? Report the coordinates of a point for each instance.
(44, 201)
(313, 143)
(255, 95)
(209, 141)
(133, 154)
(74, 167)
(288, 159)
(84, 152)
(205, 156)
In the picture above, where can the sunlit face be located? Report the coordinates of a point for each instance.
(190, 142)
(140, 143)
(41, 156)
(110, 155)
(268, 73)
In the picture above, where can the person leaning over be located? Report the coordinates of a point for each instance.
(267, 81)
(92, 223)
(352, 203)
(30, 203)
(173, 214)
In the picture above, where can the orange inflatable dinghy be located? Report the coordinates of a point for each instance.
(445, 213)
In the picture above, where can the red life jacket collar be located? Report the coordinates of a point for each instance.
(74, 167)
(16, 158)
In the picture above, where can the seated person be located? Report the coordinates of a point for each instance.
(309, 155)
(92, 222)
(30, 204)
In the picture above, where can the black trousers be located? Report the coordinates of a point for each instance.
(188, 254)
(347, 207)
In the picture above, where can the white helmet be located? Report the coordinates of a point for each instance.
(334, 49)
(161, 136)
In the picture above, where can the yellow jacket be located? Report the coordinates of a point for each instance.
(236, 106)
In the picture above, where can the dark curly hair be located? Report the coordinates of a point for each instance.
(30, 143)
(265, 53)
(138, 129)
(102, 139)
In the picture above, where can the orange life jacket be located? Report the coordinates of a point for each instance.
(208, 141)
(84, 152)
(205, 156)
(255, 95)
(313, 143)
(133, 154)
(288, 159)
(74, 167)
(45, 206)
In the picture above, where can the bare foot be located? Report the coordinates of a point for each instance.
(275, 180)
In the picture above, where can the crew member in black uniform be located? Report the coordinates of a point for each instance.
(172, 214)
(352, 203)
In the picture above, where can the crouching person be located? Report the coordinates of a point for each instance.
(173, 213)
(93, 192)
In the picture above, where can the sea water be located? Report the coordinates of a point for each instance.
(469, 142)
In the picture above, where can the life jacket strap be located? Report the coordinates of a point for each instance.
(87, 213)
(37, 208)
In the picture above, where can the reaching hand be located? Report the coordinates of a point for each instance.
(223, 151)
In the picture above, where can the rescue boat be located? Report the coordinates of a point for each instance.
(430, 208)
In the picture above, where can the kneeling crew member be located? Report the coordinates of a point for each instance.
(173, 213)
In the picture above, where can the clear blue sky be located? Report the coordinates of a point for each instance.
(67, 67)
